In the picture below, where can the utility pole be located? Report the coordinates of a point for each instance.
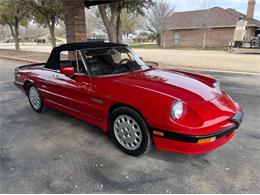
(164, 40)
(205, 24)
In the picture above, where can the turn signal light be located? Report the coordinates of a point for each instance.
(206, 140)
(158, 133)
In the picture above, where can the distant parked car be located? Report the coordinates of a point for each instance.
(109, 86)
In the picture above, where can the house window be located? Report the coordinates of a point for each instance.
(176, 38)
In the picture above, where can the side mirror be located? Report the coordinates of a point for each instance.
(68, 71)
(152, 64)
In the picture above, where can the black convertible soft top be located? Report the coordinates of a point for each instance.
(54, 58)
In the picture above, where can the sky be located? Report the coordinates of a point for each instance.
(239, 5)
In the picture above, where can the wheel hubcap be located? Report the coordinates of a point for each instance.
(35, 98)
(128, 133)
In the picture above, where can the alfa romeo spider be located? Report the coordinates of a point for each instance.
(108, 85)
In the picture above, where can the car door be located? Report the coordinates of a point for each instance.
(77, 97)
(75, 94)
(72, 93)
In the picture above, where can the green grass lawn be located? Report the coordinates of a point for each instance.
(155, 46)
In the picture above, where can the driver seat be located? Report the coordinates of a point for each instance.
(96, 67)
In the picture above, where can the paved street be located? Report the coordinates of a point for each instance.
(55, 153)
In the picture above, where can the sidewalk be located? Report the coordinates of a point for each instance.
(211, 60)
(169, 58)
(26, 56)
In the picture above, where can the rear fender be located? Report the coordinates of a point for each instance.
(26, 84)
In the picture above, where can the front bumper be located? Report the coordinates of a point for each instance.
(192, 144)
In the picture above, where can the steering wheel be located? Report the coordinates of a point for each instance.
(124, 60)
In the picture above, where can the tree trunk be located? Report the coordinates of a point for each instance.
(16, 35)
(158, 39)
(204, 40)
(112, 35)
(52, 33)
(17, 45)
(164, 40)
(119, 34)
(111, 30)
(114, 24)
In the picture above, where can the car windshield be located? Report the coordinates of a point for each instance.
(109, 61)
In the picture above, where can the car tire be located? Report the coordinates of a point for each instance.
(129, 131)
(35, 98)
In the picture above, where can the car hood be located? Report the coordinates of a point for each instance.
(170, 83)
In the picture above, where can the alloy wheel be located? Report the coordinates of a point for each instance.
(127, 132)
(35, 98)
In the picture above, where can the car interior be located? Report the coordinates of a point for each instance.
(103, 62)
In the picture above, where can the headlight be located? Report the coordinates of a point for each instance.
(177, 109)
(217, 85)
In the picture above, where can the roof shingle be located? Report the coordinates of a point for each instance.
(215, 17)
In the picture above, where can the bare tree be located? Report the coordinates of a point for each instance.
(94, 21)
(204, 23)
(158, 17)
(130, 22)
(111, 16)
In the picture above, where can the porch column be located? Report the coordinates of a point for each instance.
(75, 21)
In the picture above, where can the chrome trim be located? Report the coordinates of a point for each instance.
(52, 70)
(83, 60)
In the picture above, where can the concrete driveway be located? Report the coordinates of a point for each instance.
(55, 153)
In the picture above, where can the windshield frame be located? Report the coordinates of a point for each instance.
(139, 61)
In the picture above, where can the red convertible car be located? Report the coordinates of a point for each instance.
(109, 86)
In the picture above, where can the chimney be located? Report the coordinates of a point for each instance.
(250, 9)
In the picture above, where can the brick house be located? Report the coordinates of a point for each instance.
(213, 27)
